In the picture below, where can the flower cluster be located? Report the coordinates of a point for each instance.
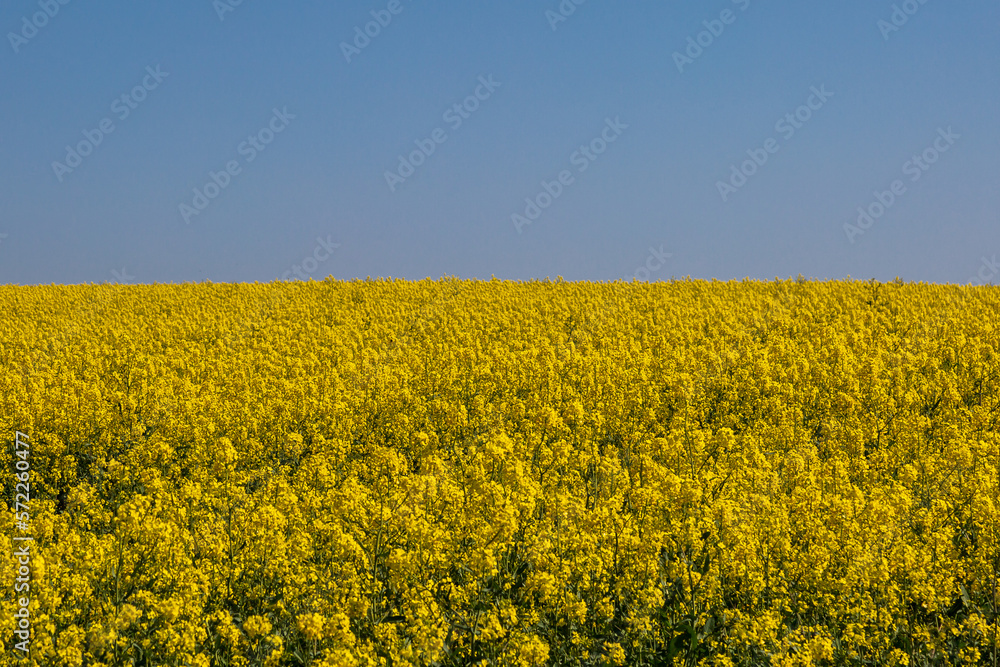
(454, 472)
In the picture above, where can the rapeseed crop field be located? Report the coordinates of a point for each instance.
(452, 472)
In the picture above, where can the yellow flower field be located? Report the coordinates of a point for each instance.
(497, 473)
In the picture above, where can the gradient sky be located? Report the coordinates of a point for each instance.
(652, 199)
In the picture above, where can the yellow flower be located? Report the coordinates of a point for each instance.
(256, 626)
(510, 472)
(311, 625)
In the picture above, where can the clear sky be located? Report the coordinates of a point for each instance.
(191, 141)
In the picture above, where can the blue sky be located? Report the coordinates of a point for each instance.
(646, 153)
